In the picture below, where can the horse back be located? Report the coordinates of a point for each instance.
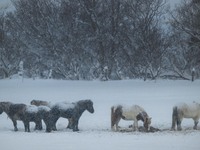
(130, 113)
(189, 110)
(16, 110)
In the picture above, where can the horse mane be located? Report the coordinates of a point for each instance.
(142, 115)
(86, 101)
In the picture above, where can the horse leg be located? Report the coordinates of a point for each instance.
(69, 126)
(54, 123)
(38, 125)
(179, 120)
(48, 122)
(196, 121)
(75, 125)
(117, 123)
(15, 124)
(54, 127)
(48, 126)
(135, 125)
(174, 118)
(26, 126)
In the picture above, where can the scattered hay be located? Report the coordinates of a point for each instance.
(151, 129)
(140, 129)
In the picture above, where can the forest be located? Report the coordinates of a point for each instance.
(100, 39)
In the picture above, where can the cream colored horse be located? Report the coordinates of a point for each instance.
(133, 112)
(184, 110)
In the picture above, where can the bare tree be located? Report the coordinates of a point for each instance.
(186, 26)
(146, 41)
(10, 49)
(89, 39)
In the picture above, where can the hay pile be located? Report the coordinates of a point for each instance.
(140, 129)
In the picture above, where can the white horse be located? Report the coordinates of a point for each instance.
(184, 110)
(134, 113)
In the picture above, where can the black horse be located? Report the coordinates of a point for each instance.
(24, 113)
(35, 114)
(48, 104)
(72, 111)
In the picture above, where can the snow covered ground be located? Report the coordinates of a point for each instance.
(157, 97)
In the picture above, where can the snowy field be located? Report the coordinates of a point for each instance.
(157, 97)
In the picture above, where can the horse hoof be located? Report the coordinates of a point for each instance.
(69, 128)
(75, 130)
(48, 131)
(173, 129)
(179, 129)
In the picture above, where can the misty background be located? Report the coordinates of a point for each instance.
(100, 39)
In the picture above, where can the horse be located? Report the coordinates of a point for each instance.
(25, 114)
(184, 110)
(72, 111)
(14, 111)
(35, 114)
(133, 112)
(48, 104)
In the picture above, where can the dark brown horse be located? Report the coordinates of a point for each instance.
(14, 111)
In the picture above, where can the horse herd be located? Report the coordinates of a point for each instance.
(41, 110)
(50, 113)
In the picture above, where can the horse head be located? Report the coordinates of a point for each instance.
(147, 122)
(4, 107)
(89, 106)
(145, 118)
(39, 103)
(33, 102)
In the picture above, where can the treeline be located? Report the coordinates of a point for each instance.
(100, 39)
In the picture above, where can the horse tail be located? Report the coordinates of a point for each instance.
(116, 115)
(174, 117)
(112, 116)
